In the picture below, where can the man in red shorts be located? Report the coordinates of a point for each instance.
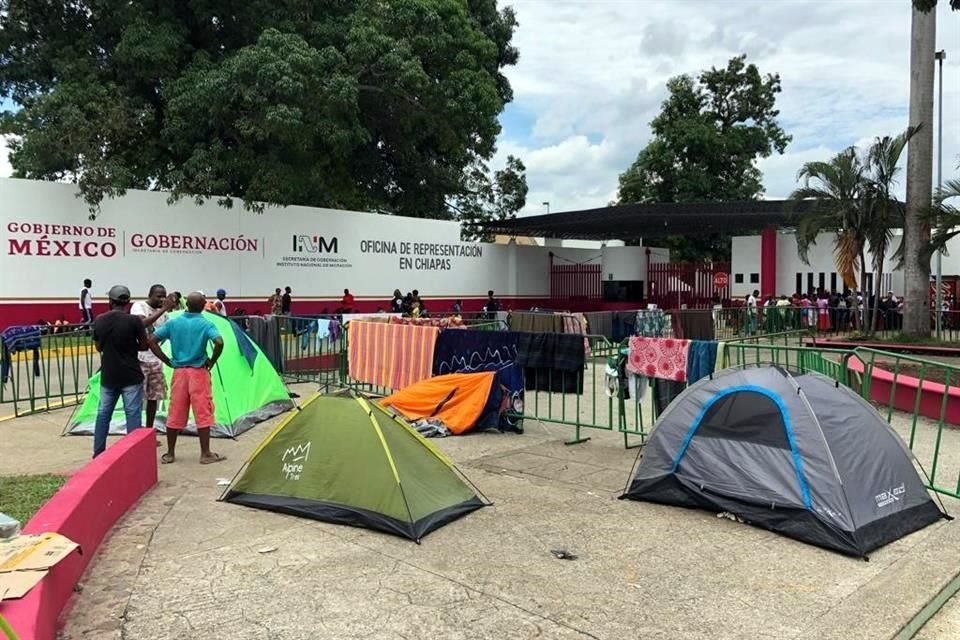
(189, 336)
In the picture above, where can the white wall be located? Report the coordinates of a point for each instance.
(745, 252)
(48, 246)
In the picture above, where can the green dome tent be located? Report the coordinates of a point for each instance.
(344, 460)
(246, 389)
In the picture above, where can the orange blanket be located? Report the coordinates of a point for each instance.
(457, 399)
(393, 356)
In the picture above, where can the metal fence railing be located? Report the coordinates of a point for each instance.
(733, 322)
(45, 367)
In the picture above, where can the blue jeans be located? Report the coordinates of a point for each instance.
(132, 406)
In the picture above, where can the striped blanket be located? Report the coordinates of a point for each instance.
(393, 356)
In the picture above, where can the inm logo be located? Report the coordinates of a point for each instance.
(314, 244)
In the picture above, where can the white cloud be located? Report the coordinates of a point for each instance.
(592, 73)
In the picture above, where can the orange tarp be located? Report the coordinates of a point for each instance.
(457, 400)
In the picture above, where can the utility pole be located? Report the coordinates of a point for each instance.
(940, 56)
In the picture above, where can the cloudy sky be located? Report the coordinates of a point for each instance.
(592, 72)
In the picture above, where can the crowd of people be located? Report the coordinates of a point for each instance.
(825, 311)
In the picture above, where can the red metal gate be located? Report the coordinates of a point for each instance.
(576, 282)
(671, 285)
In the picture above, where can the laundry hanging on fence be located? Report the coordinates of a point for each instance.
(663, 358)
(696, 324)
(576, 324)
(701, 359)
(551, 361)
(390, 355)
(15, 340)
(600, 323)
(536, 322)
(265, 332)
(445, 322)
(624, 324)
(319, 328)
(472, 351)
(664, 392)
(651, 323)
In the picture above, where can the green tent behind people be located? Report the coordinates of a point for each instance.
(246, 389)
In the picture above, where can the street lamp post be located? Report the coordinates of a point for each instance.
(940, 56)
(547, 205)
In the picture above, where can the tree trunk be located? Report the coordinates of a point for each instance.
(916, 272)
(863, 310)
(878, 294)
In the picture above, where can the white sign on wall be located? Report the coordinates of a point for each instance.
(49, 246)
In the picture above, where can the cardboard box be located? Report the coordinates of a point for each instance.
(25, 560)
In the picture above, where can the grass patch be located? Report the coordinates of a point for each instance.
(22, 496)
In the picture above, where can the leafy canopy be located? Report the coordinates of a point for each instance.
(362, 104)
(706, 140)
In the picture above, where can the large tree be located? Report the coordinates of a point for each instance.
(916, 230)
(485, 198)
(706, 141)
(362, 104)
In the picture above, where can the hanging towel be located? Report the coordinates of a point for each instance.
(552, 361)
(265, 332)
(701, 359)
(651, 323)
(721, 352)
(470, 351)
(305, 334)
(393, 356)
(664, 392)
(600, 323)
(17, 339)
(575, 324)
(696, 324)
(664, 358)
(536, 322)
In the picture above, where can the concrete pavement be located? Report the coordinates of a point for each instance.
(185, 566)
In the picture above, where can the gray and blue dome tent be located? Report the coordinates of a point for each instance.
(796, 454)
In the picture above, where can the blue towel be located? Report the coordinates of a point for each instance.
(21, 338)
(701, 359)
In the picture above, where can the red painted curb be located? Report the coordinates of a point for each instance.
(905, 394)
(84, 510)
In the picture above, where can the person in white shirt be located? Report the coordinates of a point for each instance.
(218, 305)
(153, 310)
(86, 303)
(752, 312)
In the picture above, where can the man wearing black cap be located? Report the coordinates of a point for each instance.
(119, 337)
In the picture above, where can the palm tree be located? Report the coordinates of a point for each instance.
(883, 212)
(945, 217)
(916, 230)
(835, 191)
(852, 196)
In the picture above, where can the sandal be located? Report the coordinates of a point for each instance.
(214, 457)
(167, 459)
